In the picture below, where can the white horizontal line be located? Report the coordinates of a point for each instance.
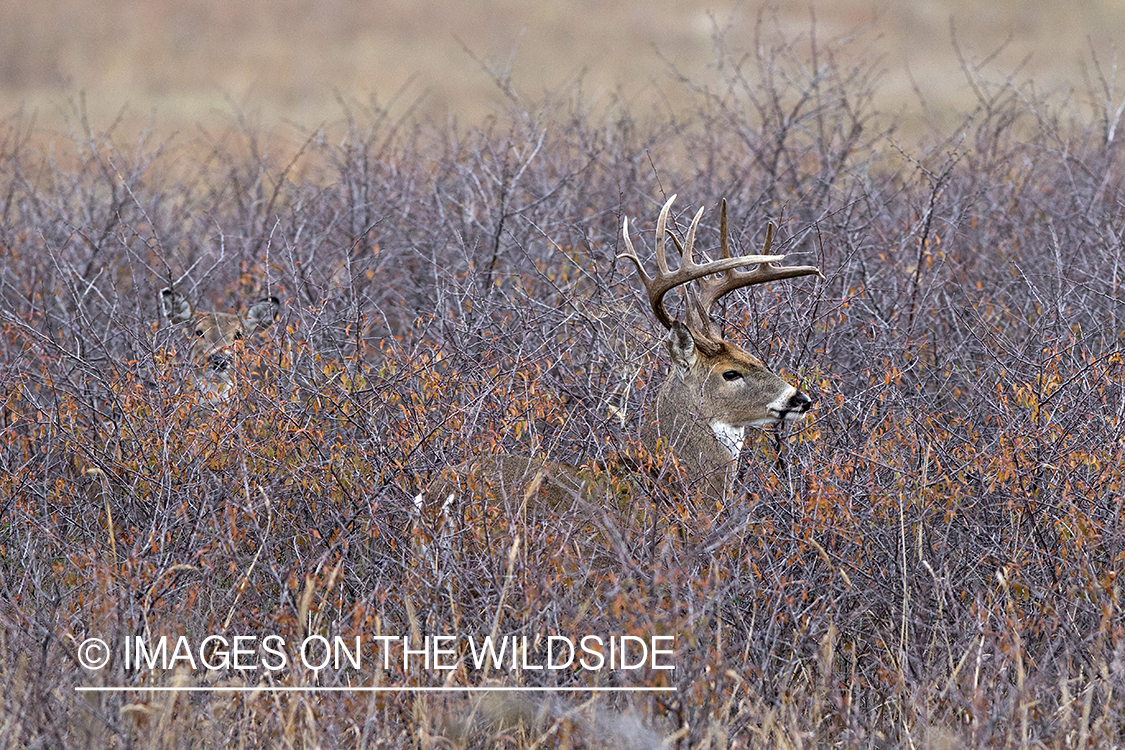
(369, 689)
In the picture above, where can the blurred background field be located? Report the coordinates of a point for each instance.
(191, 61)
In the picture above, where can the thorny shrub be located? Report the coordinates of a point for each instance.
(931, 559)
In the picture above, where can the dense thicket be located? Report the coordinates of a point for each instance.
(932, 559)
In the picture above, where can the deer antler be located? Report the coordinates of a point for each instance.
(710, 291)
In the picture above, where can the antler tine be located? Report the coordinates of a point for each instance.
(661, 228)
(648, 282)
(667, 280)
(711, 290)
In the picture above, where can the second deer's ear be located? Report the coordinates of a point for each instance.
(262, 314)
(175, 306)
(681, 346)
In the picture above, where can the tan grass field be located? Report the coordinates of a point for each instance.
(178, 64)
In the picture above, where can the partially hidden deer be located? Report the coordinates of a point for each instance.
(715, 391)
(213, 337)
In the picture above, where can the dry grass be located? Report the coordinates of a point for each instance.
(933, 563)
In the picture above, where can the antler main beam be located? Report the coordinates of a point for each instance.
(710, 291)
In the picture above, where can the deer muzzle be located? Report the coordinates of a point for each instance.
(792, 406)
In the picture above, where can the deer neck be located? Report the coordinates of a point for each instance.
(706, 449)
(730, 437)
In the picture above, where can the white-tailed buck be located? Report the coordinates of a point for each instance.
(715, 391)
(213, 336)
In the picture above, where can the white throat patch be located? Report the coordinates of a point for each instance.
(730, 437)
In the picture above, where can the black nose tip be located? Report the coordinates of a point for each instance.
(219, 362)
(799, 402)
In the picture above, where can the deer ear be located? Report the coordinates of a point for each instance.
(262, 314)
(174, 306)
(681, 345)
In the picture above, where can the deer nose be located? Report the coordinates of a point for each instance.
(800, 403)
(219, 362)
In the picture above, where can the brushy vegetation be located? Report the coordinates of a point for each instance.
(930, 561)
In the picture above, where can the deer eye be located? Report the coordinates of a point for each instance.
(731, 375)
(237, 335)
(199, 332)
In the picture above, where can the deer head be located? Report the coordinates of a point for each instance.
(717, 389)
(214, 335)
